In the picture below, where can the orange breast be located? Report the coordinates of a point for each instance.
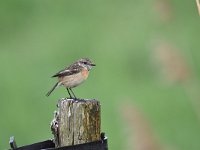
(85, 73)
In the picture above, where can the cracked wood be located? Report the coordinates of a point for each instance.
(78, 121)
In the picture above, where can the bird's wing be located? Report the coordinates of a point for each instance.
(72, 69)
(66, 72)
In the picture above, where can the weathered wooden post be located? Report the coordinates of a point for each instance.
(75, 126)
(76, 122)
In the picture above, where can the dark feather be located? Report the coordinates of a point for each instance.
(52, 89)
(72, 69)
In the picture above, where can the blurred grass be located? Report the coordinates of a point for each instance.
(38, 38)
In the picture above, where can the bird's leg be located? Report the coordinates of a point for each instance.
(73, 93)
(69, 93)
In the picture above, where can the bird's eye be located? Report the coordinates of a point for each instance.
(85, 63)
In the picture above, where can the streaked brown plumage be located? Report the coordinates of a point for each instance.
(73, 75)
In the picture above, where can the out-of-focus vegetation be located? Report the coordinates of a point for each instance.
(147, 74)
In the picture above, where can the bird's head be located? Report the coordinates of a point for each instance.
(86, 63)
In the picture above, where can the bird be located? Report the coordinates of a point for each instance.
(73, 75)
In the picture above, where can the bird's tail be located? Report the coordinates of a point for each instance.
(55, 86)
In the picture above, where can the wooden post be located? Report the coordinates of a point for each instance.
(76, 122)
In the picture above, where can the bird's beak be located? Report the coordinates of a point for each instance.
(92, 64)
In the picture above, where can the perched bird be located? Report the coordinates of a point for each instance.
(73, 75)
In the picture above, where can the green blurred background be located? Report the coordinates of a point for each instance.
(147, 73)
